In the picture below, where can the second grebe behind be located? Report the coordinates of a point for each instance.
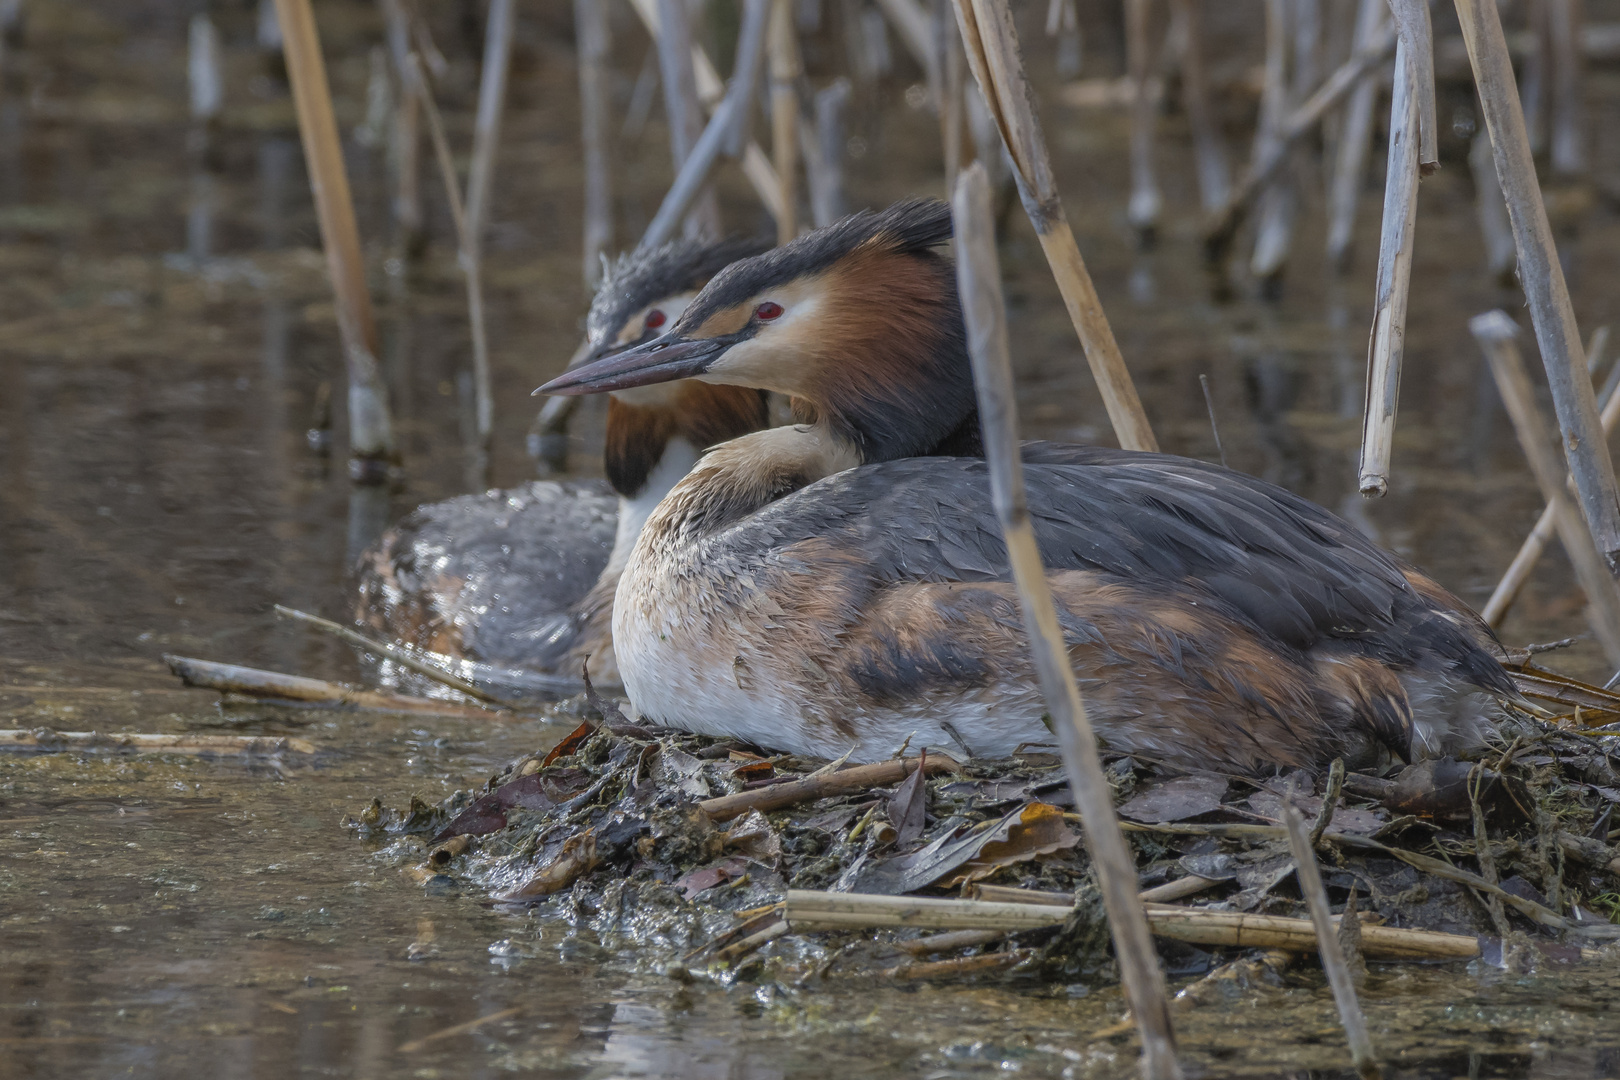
(818, 588)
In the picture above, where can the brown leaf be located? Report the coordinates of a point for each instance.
(1176, 800)
(1038, 830)
(1023, 833)
(908, 807)
(754, 837)
(571, 742)
(710, 876)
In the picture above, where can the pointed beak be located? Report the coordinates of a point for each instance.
(660, 361)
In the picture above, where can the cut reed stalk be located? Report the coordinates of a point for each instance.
(1496, 334)
(1530, 552)
(371, 439)
(1417, 35)
(820, 785)
(991, 44)
(1145, 203)
(1355, 136)
(1542, 277)
(786, 69)
(685, 112)
(1328, 948)
(728, 118)
(1387, 346)
(274, 686)
(595, 98)
(1209, 149)
(979, 282)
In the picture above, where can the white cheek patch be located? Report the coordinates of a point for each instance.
(772, 359)
(636, 325)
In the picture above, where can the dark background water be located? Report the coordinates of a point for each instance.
(165, 331)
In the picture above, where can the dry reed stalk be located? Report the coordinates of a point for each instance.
(595, 99)
(371, 439)
(47, 740)
(911, 22)
(203, 70)
(1145, 203)
(785, 69)
(950, 941)
(959, 965)
(685, 111)
(1530, 552)
(1160, 894)
(405, 147)
(991, 44)
(1209, 149)
(1223, 226)
(272, 685)
(1268, 143)
(728, 119)
(820, 785)
(1309, 877)
(1500, 254)
(1496, 334)
(1387, 345)
(827, 199)
(1568, 111)
(480, 187)
(979, 282)
(952, 105)
(807, 910)
(1355, 136)
(1542, 277)
(1417, 35)
(756, 166)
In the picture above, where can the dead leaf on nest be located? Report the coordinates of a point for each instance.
(753, 836)
(710, 876)
(537, 791)
(1176, 800)
(1025, 833)
(908, 806)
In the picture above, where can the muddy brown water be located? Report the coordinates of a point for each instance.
(165, 333)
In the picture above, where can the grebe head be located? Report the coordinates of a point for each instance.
(640, 299)
(858, 321)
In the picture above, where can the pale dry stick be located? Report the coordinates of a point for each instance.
(1223, 226)
(685, 111)
(827, 200)
(991, 43)
(406, 145)
(1267, 133)
(1355, 136)
(711, 90)
(793, 792)
(1160, 894)
(46, 740)
(400, 656)
(1417, 35)
(1387, 345)
(1279, 204)
(203, 70)
(911, 22)
(1500, 254)
(595, 98)
(480, 187)
(808, 910)
(1568, 151)
(273, 685)
(1309, 877)
(727, 119)
(1145, 202)
(979, 283)
(1530, 552)
(1209, 149)
(785, 68)
(371, 439)
(952, 104)
(1542, 277)
(1496, 332)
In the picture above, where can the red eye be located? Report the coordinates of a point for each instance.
(768, 311)
(655, 319)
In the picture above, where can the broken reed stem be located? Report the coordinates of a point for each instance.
(727, 119)
(685, 112)
(399, 655)
(1542, 276)
(1495, 333)
(1209, 149)
(595, 106)
(979, 282)
(1159, 894)
(1417, 39)
(991, 43)
(371, 439)
(786, 70)
(1530, 552)
(1387, 346)
(1143, 210)
(1309, 877)
(45, 740)
(1223, 226)
(254, 682)
(793, 792)
(1355, 136)
(808, 910)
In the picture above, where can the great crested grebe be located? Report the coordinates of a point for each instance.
(525, 576)
(818, 587)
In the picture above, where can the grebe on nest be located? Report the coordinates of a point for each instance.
(819, 587)
(525, 576)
